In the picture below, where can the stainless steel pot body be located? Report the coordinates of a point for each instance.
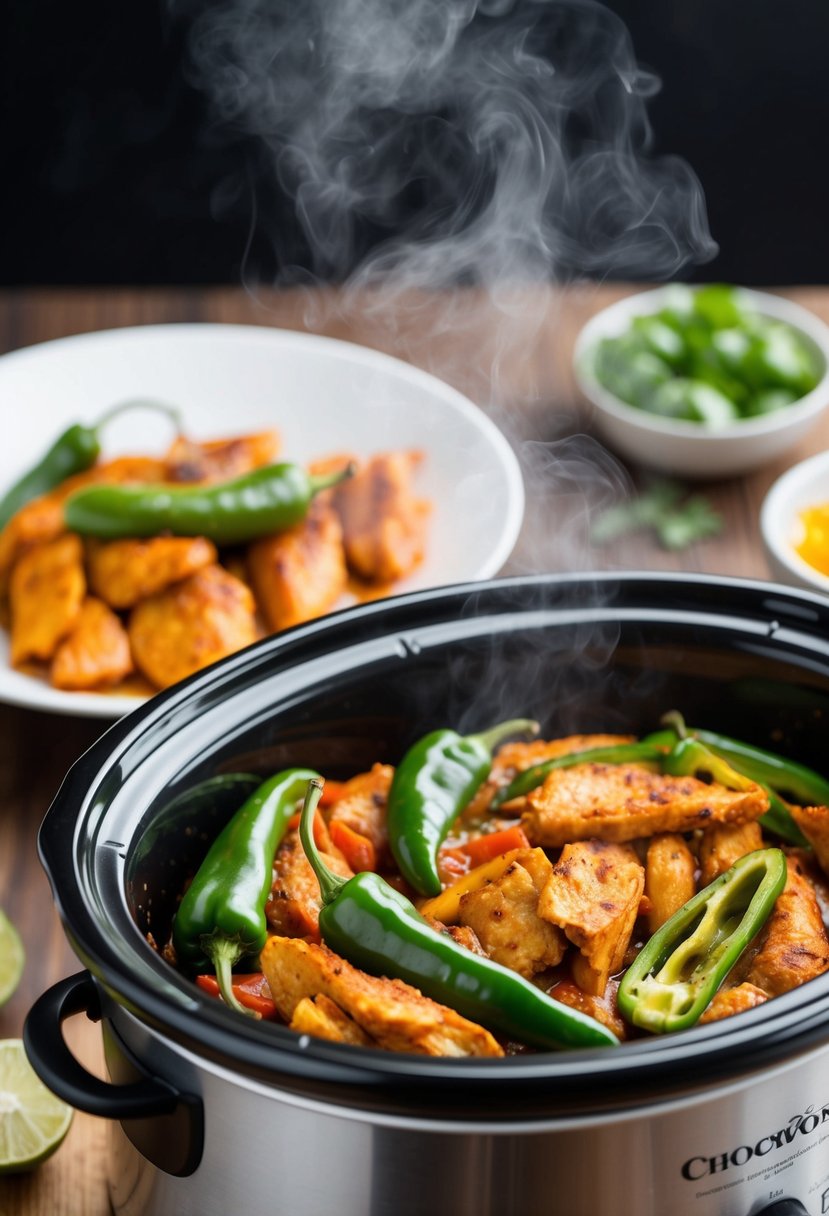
(214, 1114)
(733, 1149)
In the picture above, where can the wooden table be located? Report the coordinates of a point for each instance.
(515, 360)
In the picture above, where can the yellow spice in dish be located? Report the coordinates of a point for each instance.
(814, 548)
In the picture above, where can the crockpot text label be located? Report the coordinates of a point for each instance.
(799, 1125)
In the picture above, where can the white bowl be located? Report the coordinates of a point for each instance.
(804, 485)
(689, 448)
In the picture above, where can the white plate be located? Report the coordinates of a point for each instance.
(322, 395)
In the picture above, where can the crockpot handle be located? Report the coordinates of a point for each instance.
(60, 1071)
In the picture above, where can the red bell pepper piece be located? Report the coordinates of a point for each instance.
(358, 850)
(485, 848)
(250, 990)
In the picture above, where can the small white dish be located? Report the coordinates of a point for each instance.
(690, 449)
(804, 485)
(323, 396)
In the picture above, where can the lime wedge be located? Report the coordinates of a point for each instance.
(32, 1120)
(12, 958)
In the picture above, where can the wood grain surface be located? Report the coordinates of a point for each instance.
(513, 358)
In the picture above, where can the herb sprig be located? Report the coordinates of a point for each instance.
(663, 507)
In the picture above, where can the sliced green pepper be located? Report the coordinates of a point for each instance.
(675, 977)
(432, 784)
(619, 753)
(221, 918)
(267, 500)
(75, 451)
(378, 930)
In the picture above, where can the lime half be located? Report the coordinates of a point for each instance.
(32, 1120)
(12, 958)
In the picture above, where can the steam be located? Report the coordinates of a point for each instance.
(477, 149)
(490, 142)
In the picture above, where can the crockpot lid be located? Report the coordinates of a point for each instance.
(86, 836)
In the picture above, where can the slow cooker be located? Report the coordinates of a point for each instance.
(212, 1114)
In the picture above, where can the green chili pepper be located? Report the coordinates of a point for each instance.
(675, 977)
(221, 918)
(378, 930)
(75, 451)
(619, 753)
(772, 773)
(432, 784)
(267, 500)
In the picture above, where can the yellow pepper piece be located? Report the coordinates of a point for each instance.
(814, 548)
(446, 906)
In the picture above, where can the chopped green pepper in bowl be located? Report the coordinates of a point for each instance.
(704, 381)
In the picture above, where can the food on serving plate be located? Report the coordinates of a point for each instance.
(75, 451)
(135, 572)
(650, 885)
(814, 545)
(707, 357)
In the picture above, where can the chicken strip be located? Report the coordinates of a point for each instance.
(618, 802)
(42, 519)
(602, 1008)
(362, 807)
(670, 868)
(45, 595)
(294, 904)
(517, 756)
(593, 895)
(793, 946)
(813, 822)
(392, 1012)
(504, 917)
(729, 1001)
(96, 653)
(219, 459)
(383, 523)
(299, 574)
(720, 847)
(122, 572)
(193, 623)
(320, 1017)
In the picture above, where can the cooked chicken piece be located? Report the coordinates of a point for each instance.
(320, 1017)
(733, 1000)
(669, 877)
(219, 459)
(42, 519)
(299, 574)
(122, 572)
(96, 653)
(294, 904)
(721, 846)
(465, 937)
(362, 807)
(193, 623)
(515, 757)
(793, 946)
(505, 919)
(45, 594)
(383, 523)
(813, 822)
(593, 895)
(603, 1008)
(624, 802)
(396, 1015)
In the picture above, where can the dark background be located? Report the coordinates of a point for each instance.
(115, 173)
